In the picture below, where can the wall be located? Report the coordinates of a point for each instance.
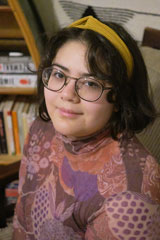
(134, 15)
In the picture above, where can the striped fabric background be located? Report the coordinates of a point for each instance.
(134, 15)
(151, 136)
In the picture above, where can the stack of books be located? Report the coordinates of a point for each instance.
(17, 72)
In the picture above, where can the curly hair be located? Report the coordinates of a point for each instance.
(130, 95)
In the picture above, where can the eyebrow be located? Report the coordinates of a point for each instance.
(67, 70)
(60, 66)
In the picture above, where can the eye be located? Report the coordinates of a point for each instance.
(91, 83)
(57, 74)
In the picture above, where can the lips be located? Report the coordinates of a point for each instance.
(68, 112)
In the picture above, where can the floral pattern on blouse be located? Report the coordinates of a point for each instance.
(67, 191)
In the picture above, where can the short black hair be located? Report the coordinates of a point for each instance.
(130, 95)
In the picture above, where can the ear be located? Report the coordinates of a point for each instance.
(111, 98)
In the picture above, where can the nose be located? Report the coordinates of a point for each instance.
(68, 92)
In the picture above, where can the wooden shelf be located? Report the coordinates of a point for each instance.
(6, 159)
(17, 33)
(12, 45)
(9, 27)
(13, 91)
(25, 28)
(14, 24)
(5, 9)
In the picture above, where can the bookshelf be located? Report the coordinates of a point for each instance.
(15, 91)
(8, 23)
(18, 32)
(7, 159)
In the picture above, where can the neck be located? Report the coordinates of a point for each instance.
(81, 138)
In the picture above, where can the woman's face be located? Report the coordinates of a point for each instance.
(72, 116)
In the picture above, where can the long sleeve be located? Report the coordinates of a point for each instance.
(128, 216)
(18, 228)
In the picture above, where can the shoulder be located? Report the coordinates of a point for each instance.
(39, 133)
(36, 159)
(151, 178)
(40, 125)
(133, 148)
(42, 130)
(126, 215)
(130, 213)
(142, 169)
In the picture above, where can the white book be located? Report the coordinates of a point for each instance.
(18, 80)
(22, 64)
(17, 67)
(8, 124)
(20, 124)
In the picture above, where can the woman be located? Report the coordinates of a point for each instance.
(84, 175)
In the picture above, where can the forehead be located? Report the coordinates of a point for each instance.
(71, 55)
(72, 48)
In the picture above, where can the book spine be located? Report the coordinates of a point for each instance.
(21, 80)
(16, 67)
(16, 132)
(20, 125)
(3, 140)
(25, 125)
(9, 192)
(9, 132)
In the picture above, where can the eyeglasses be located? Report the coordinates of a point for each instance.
(87, 88)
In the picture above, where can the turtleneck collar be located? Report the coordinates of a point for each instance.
(86, 144)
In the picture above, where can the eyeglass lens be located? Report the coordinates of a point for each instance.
(87, 88)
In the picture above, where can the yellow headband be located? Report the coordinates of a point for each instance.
(91, 23)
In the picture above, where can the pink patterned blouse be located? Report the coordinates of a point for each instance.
(93, 189)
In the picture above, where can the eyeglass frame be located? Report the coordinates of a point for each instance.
(76, 80)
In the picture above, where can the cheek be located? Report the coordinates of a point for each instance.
(50, 98)
(99, 113)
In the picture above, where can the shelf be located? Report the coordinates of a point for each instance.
(9, 27)
(13, 91)
(12, 45)
(6, 159)
(23, 20)
(18, 32)
(5, 9)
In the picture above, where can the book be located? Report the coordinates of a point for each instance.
(16, 127)
(24, 120)
(19, 113)
(9, 101)
(18, 80)
(3, 140)
(20, 122)
(23, 64)
(11, 192)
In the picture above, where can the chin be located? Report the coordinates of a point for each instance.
(64, 130)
